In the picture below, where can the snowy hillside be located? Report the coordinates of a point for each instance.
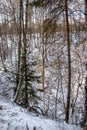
(43, 65)
(13, 117)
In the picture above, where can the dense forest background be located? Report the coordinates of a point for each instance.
(43, 56)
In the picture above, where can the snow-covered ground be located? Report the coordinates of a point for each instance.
(13, 117)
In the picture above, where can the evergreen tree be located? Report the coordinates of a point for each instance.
(28, 92)
(25, 91)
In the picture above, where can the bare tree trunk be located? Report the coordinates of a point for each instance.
(85, 126)
(86, 10)
(43, 66)
(86, 70)
(25, 54)
(86, 96)
(43, 56)
(19, 56)
(69, 63)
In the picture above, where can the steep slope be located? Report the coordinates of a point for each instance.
(13, 117)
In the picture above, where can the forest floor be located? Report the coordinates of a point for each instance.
(13, 117)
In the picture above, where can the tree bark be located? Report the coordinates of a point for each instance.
(25, 54)
(19, 55)
(86, 95)
(86, 10)
(86, 69)
(69, 63)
